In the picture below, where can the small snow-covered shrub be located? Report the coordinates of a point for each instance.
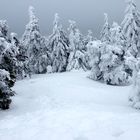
(108, 63)
(49, 69)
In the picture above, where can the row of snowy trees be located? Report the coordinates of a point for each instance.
(36, 54)
(113, 59)
(109, 56)
(59, 52)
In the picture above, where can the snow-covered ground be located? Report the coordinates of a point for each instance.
(69, 106)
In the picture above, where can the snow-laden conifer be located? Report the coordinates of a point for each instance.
(77, 58)
(58, 45)
(131, 28)
(105, 33)
(34, 44)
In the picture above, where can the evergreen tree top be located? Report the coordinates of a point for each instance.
(131, 8)
(3, 28)
(106, 18)
(32, 16)
(105, 33)
(72, 25)
(32, 27)
(131, 22)
(56, 23)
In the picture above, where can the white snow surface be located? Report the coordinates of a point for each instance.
(69, 106)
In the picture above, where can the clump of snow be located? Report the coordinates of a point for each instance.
(4, 74)
(49, 69)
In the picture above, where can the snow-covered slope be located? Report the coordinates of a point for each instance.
(69, 106)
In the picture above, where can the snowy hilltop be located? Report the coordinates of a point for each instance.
(68, 85)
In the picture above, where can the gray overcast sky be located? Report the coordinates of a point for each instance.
(87, 13)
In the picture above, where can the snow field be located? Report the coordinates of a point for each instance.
(69, 106)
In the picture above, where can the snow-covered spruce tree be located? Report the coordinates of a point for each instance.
(20, 55)
(77, 49)
(44, 58)
(8, 53)
(8, 64)
(8, 59)
(59, 47)
(131, 28)
(5, 91)
(105, 33)
(116, 36)
(34, 43)
(3, 29)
